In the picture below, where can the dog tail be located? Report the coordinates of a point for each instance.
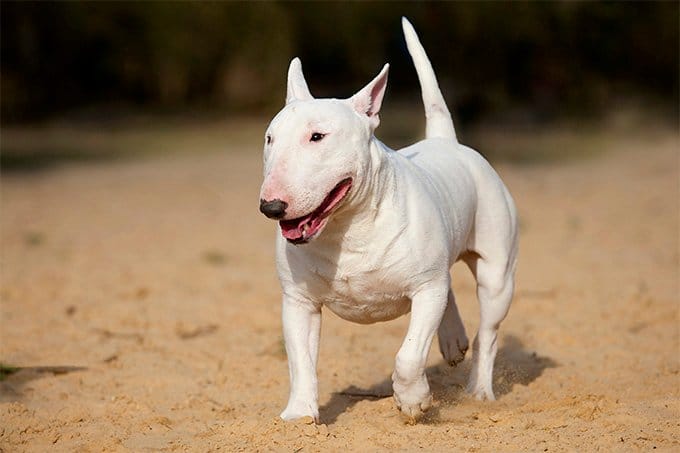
(438, 122)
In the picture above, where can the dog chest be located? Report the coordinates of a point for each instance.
(369, 308)
(365, 297)
(363, 284)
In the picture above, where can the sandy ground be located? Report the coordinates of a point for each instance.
(141, 305)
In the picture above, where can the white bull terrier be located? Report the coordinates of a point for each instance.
(371, 233)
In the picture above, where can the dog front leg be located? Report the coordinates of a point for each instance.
(301, 328)
(411, 389)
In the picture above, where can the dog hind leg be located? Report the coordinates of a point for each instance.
(453, 342)
(495, 284)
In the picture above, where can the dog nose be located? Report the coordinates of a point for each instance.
(274, 209)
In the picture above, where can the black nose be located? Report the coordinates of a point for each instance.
(274, 209)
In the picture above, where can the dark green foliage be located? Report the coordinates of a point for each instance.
(545, 57)
(6, 370)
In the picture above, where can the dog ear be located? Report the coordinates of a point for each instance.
(369, 99)
(297, 87)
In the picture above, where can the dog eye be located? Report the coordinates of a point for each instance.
(316, 137)
(268, 139)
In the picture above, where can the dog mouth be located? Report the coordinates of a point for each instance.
(303, 229)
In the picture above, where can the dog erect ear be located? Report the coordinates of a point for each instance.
(369, 99)
(297, 87)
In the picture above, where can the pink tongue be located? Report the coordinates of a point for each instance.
(294, 229)
(307, 226)
(304, 227)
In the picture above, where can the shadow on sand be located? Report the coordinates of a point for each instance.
(514, 365)
(11, 386)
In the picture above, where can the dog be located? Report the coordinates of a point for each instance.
(371, 233)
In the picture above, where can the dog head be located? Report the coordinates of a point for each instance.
(315, 154)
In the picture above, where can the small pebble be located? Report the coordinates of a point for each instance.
(323, 430)
(306, 420)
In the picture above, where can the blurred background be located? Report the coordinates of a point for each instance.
(139, 305)
(517, 63)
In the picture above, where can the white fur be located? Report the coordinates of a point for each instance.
(388, 247)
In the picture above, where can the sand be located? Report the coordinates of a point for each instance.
(140, 303)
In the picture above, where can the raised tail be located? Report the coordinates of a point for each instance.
(438, 122)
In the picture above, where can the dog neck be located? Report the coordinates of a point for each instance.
(353, 223)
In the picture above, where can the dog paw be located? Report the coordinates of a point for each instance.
(480, 393)
(453, 348)
(414, 399)
(295, 411)
(413, 411)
